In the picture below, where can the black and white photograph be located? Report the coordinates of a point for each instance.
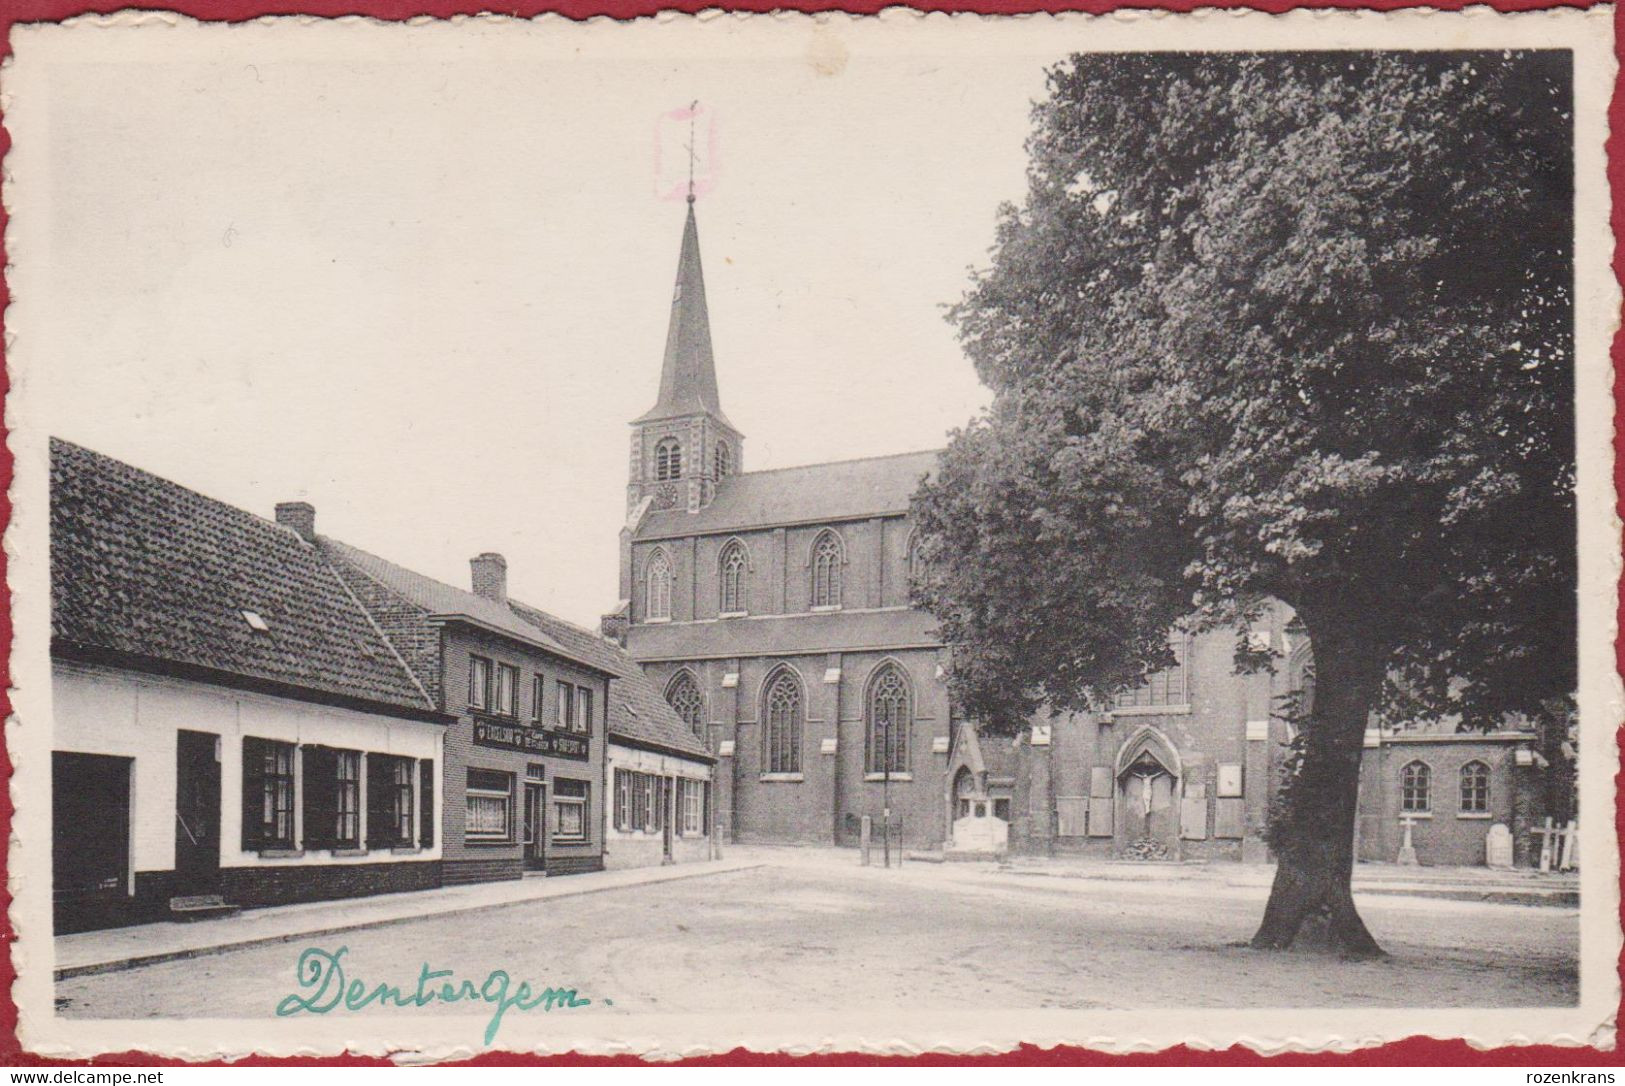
(793, 533)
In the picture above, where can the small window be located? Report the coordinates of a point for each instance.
(1165, 687)
(489, 797)
(538, 693)
(1416, 788)
(570, 810)
(268, 794)
(657, 580)
(669, 460)
(390, 808)
(479, 682)
(564, 709)
(724, 459)
(828, 558)
(623, 800)
(255, 622)
(890, 722)
(919, 567)
(507, 691)
(781, 732)
(331, 797)
(731, 578)
(694, 801)
(1475, 788)
(683, 695)
(583, 717)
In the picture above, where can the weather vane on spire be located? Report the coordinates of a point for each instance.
(684, 167)
(693, 111)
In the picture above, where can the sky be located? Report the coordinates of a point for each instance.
(421, 280)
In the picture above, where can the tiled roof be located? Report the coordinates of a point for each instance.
(636, 710)
(766, 635)
(438, 598)
(844, 490)
(144, 568)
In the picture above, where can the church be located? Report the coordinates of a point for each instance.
(772, 610)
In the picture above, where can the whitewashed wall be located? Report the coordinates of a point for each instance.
(642, 848)
(129, 715)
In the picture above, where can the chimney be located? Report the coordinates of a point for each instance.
(490, 576)
(300, 516)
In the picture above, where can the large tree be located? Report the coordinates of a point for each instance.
(1290, 326)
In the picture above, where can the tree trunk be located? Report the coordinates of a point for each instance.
(1311, 902)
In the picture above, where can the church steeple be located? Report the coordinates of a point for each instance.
(688, 374)
(684, 445)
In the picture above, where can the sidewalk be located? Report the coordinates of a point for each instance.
(1516, 886)
(122, 948)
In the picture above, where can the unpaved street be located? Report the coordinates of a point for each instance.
(795, 934)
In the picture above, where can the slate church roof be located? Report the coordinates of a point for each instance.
(148, 574)
(843, 490)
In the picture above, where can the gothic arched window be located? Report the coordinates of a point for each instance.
(827, 559)
(1475, 788)
(781, 723)
(657, 598)
(683, 694)
(731, 567)
(669, 459)
(724, 459)
(918, 564)
(890, 720)
(1416, 788)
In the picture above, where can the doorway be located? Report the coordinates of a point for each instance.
(197, 813)
(90, 840)
(535, 826)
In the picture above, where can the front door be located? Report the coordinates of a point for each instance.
(197, 812)
(90, 839)
(535, 826)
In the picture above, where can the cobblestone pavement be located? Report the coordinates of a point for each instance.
(817, 931)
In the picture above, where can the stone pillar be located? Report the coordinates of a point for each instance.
(779, 571)
(823, 749)
(1040, 790)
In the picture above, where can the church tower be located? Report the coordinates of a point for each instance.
(684, 444)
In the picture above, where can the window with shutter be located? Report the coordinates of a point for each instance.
(268, 794)
(389, 801)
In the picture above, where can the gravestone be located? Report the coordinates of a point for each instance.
(1498, 847)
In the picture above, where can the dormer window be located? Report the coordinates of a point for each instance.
(669, 459)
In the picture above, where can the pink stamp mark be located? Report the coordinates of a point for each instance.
(686, 157)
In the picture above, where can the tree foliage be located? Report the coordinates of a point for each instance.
(1286, 325)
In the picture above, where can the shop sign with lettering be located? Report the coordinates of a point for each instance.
(493, 733)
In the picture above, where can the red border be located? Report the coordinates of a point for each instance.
(1416, 1051)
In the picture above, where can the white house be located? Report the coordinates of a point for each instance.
(230, 727)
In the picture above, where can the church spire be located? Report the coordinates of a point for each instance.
(688, 375)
